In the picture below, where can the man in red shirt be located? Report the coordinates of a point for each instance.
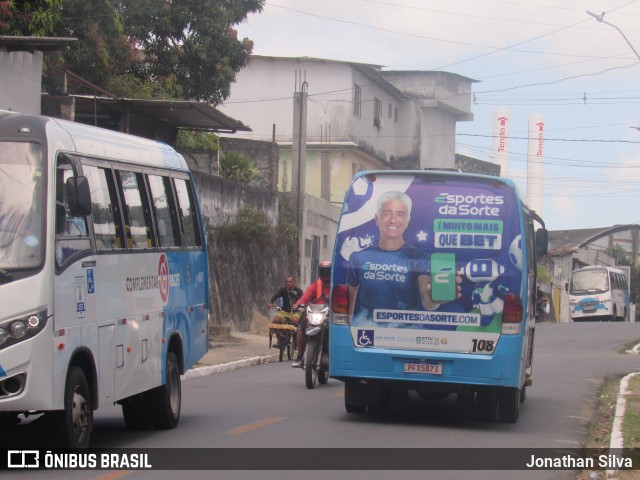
(318, 292)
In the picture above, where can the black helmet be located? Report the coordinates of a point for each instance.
(324, 271)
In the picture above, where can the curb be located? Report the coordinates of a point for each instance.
(635, 350)
(616, 443)
(197, 372)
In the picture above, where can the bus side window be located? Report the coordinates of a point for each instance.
(72, 235)
(137, 219)
(164, 210)
(190, 233)
(105, 208)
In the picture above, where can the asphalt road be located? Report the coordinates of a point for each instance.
(269, 406)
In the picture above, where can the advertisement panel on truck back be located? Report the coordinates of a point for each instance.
(433, 288)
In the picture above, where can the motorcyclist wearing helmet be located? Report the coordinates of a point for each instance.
(318, 292)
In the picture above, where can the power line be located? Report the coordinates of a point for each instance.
(466, 44)
(579, 140)
(461, 14)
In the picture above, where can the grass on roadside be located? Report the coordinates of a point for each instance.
(599, 432)
(631, 423)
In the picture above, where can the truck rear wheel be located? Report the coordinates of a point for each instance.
(509, 404)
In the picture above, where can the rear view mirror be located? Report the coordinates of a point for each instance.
(78, 196)
(542, 242)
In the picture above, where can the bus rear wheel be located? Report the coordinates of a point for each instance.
(166, 399)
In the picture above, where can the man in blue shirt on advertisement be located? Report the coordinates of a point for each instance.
(390, 274)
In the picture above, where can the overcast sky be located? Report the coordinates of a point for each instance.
(530, 57)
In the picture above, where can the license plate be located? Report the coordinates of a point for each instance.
(433, 368)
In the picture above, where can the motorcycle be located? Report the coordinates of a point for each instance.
(285, 328)
(316, 358)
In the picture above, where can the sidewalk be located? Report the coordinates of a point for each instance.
(237, 350)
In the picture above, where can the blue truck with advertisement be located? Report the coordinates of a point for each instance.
(433, 291)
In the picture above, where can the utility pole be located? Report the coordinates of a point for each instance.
(299, 156)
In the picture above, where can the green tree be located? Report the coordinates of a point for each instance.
(195, 41)
(103, 50)
(146, 48)
(237, 167)
(188, 140)
(29, 17)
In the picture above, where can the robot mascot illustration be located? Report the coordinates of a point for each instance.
(489, 290)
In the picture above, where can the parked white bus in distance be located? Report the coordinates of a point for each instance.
(599, 293)
(103, 276)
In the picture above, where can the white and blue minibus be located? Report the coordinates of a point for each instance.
(599, 293)
(433, 290)
(103, 276)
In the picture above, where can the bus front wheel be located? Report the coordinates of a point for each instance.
(166, 399)
(75, 423)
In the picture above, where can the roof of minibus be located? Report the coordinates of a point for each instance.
(598, 267)
(451, 173)
(95, 141)
(443, 173)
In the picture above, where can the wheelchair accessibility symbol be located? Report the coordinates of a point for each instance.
(365, 338)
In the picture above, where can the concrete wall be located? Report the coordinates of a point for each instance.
(440, 125)
(320, 220)
(22, 72)
(262, 96)
(441, 100)
(243, 276)
(220, 199)
(243, 273)
(340, 163)
(264, 156)
(382, 141)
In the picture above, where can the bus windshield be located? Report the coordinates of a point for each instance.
(21, 207)
(589, 281)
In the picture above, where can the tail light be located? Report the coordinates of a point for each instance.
(511, 314)
(340, 304)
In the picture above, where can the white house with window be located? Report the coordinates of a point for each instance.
(358, 117)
